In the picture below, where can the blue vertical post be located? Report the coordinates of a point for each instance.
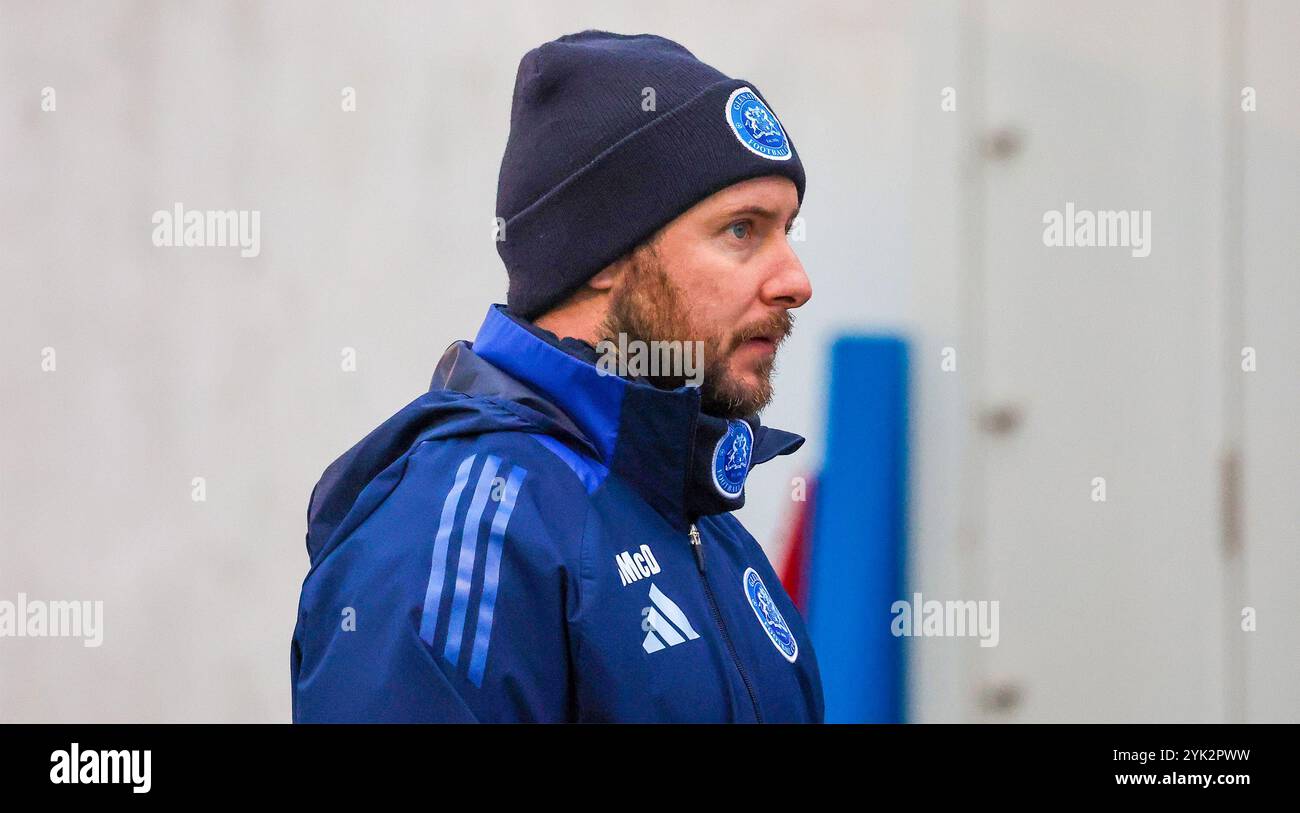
(859, 540)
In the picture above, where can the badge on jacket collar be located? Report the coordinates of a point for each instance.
(769, 616)
(731, 459)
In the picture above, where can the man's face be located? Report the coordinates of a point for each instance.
(722, 273)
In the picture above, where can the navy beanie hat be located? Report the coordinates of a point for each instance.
(612, 136)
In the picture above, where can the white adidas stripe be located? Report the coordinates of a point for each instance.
(661, 628)
(673, 612)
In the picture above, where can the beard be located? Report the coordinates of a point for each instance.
(648, 307)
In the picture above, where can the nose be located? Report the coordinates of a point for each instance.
(786, 286)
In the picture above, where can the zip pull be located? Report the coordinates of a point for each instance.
(697, 547)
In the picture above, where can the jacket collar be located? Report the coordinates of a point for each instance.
(683, 462)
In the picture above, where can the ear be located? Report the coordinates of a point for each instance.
(606, 277)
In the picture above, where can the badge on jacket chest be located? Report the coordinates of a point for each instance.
(769, 616)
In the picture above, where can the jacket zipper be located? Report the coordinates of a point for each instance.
(717, 618)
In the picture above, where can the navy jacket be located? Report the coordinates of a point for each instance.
(534, 540)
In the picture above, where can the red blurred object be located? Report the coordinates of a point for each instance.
(794, 570)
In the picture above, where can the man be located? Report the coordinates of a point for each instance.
(539, 538)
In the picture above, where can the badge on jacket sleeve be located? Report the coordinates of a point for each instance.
(731, 459)
(769, 616)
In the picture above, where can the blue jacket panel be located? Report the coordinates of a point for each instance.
(533, 540)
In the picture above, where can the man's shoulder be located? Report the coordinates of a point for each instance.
(555, 464)
(537, 485)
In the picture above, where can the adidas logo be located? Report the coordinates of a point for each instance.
(664, 623)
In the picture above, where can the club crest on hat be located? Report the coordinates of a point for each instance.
(756, 126)
(769, 616)
(731, 459)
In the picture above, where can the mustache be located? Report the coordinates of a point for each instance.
(777, 327)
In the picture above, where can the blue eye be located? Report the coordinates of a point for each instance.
(739, 229)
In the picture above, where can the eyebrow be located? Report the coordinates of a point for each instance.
(760, 211)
